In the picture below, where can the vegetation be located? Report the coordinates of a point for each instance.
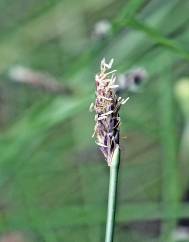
(53, 179)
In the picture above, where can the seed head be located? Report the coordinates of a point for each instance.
(132, 81)
(107, 107)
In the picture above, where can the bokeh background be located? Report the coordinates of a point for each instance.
(53, 179)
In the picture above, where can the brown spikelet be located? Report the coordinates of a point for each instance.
(107, 107)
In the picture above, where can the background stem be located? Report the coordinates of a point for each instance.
(114, 169)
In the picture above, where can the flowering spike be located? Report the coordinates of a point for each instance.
(107, 107)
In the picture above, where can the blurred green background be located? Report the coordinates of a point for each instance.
(53, 179)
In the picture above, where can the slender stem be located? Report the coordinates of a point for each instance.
(114, 168)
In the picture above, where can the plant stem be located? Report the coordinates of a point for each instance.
(113, 180)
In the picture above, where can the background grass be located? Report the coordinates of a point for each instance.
(53, 179)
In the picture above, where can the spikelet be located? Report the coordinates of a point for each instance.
(107, 107)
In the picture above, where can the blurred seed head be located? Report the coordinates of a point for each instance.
(37, 79)
(102, 29)
(107, 107)
(182, 95)
(13, 237)
(132, 81)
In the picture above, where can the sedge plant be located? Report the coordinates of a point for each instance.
(107, 132)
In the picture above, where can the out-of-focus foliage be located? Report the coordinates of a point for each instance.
(53, 180)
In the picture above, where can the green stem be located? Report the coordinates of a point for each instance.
(114, 168)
